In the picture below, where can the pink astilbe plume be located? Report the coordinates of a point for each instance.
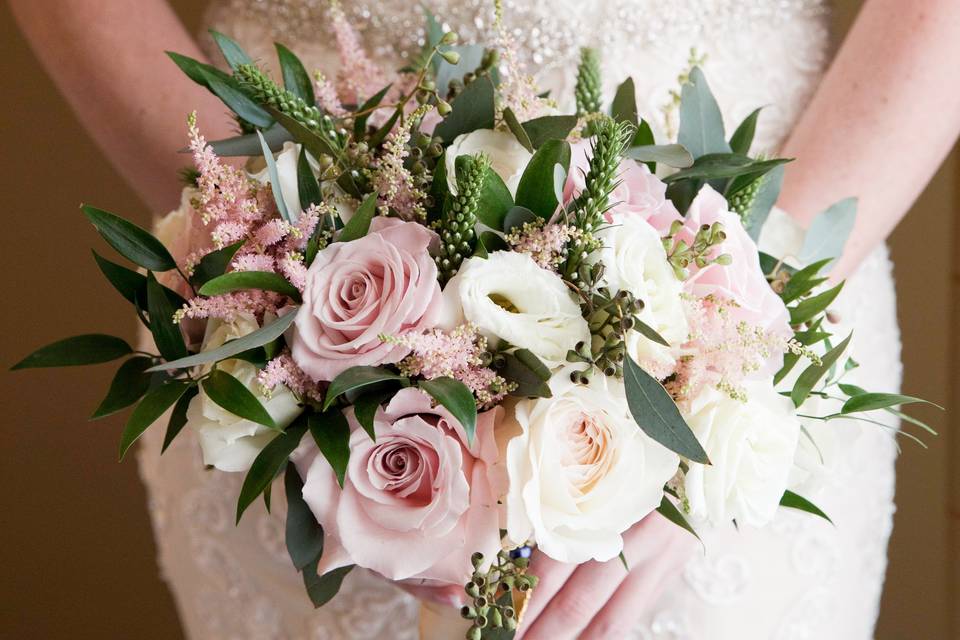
(327, 98)
(282, 370)
(229, 305)
(392, 180)
(546, 244)
(359, 77)
(517, 87)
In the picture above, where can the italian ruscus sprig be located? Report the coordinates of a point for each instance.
(490, 591)
(588, 92)
(456, 227)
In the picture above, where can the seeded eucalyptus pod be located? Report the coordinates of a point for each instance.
(456, 227)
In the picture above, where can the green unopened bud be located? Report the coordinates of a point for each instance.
(724, 259)
(443, 107)
(450, 37)
(450, 56)
(474, 633)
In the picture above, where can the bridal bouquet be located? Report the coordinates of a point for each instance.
(462, 324)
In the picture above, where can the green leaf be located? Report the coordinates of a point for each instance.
(495, 200)
(701, 125)
(258, 338)
(488, 242)
(308, 188)
(128, 385)
(91, 348)
(669, 511)
(829, 231)
(127, 282)
(724, 165)
(672, 155)
(381, 134)
(812, 374)
(285, 212)
(656, 413)
(545, 128)
(516, 217)
(240, 280)
(359, 224)
(269, 463)
(527, 371)
(649, 333)
(153, 405)
(871, 401)
(214, 264)
(473, 109)
(132, 242)
(178, 417)
(322, 589)
(357, 378)
(517, 129)
(304, 535)
(331, 432)
(237, 101)
(233, 395)
(742, 138)
(315, 144)
(249, 143)
(365, 409)
(535, 191)
(644, 138)
(809, 308)
(196, 70)
(166, 334)
(295, 76)
(803, 281)
(767, 193)
(794, 501)
(455, 398)
(471, 57)
(232, 52)
(360, 123)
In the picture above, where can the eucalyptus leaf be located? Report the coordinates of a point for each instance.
(285, 212)
(241, 280)
(670, 511)
(559, 181)
(132, 242)
(657, 414)
(295, 77)
(127, 282)
(322, 589)
(471, 57)
(153, 405)
(91, 348)
(516, 217)
(672, 155)
(232, 395)
(359, 224)
(795, 501)
(473, 109)
(214, 264)
(535, 191)
(528, 372)
(357, 378)
(232, 52)
(742, 138)
(829, 231)
(129, 384)
(701, 125)
(249, 143)
(331, 432)
(269, 463)
(813, 373)
(649, 333)
(456, 398)
(304, 535)
(166, 333)
(545, 128)
(178, 417)
(724, 165)
(517, 129)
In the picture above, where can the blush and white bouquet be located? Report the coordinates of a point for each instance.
(461, 324)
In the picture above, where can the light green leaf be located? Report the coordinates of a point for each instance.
(649, 333)
(132, 242)
(455, 398)
(322, 589)
(657, 414)
(829, 231)
(535, 191)
(808, 309)
(153, 405)
(803, 281)
(359, 224)
(812, 374)
(295, 76)
(304, 535)
(794, 501)
(91, 348)
(724, 165)
(178, 417)
(871, 401)
(285, 212)
(196, 70)
(128, 385)
(240, 280)
(166, 334)
(269, 463)
(358, 378)
(315, 144)
(233, 395)
(672, 155)
(471, 57)
(742, 138)
(545, 128)
(473, 109)
(701, 125)
(331, 432)
(249, 143)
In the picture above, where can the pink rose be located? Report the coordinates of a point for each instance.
(742, 281)
(417, 502)
(639, 192)
(382, 283)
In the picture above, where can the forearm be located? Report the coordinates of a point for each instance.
(107, 58)
(881, 122)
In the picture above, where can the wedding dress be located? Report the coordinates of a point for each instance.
(798, 578)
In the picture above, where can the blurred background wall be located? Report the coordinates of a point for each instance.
(76, 545)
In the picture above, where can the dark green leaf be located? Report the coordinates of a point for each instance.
(360, 123)
(258, 338)
(304, 535)
(650, 333)
(91, 348)
(812, 374)
(237, 101)
(669, 511)
(701, 125)
(178, 417)
(527, 371)
(295, 76)
(381, 134)
(767, 193)
(196, 70)
(517, 129)
(322, 589)
(127, 282)
(644, 138)
(214, 264)
(270, 462)
(307, 186)
(724, 165)
(873, 401)
(249, 143)
(495, 200)
(358, 378)
(742, 138)
(656, 413)
(545, 128)
(166, 333)
(240, 280)
(455, 398)
(488, 242)
(153, 405)
(315, 144)
(535, 191)
(471, 57)
(359, 224)
(331, 432)
(128, 385)
(794, 501)
(516, 217)
(473, 109)
(130, 241)
(365, 409)
(285, 212)
(233, 395)
(624, 106)
(232, 52)
(809, 308)
(672, 155)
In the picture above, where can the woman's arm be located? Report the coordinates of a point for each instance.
(881, 122)
(108, 60)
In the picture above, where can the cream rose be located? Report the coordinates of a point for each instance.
(228, 442)
(751, 446)
(635, 261)
(508, 158)
(581, 470)
(511, 298)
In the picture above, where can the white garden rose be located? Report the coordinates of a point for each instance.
(751, 446)
(508, 158)
(508, 296)
(635, 261)
(228, 442)
(581, 471)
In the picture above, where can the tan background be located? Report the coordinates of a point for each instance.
(78, 559)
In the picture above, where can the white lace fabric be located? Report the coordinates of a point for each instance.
(796, 579)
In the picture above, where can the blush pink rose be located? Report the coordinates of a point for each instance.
(417, 501)
(382, 283)
(639, 192)
(742, 281)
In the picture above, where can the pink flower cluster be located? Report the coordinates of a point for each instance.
(283, 371)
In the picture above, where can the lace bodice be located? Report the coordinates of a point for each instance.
(799, 578)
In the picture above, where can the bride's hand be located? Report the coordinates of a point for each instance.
(602, 600)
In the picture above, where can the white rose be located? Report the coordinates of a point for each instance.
(509, 297)
(508, 158)
(635, 261)
(581, 470)
(751, 446)
(228, 442)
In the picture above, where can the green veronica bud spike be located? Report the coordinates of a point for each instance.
(588, 90)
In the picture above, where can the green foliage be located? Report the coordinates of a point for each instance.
(322, 589)
(285, 212)
(128, 385)
(794, 501)
(828, 232)
(296, 80)
(495, 200)
(248, 144)
(473, 109)
(456, 398)
(359, 224)
(331, 432)
(672, 155)
(153, 405)
(457, 225)
(809, 308)
(132, 242)
(178, 417)
(517, 129)
(356, 378)
(526, 371)
(670, 511)
(812, 374)
(232, 52)
(588, 91)
(233, 395)
(127, 282)
(742, 138)
(241, 280)
(365, 409)
(269, 463)
(701, 125)
(91, 348)
(308, 188)
(214, 264)
(545, 128)
(304, 535)
(535, 191)
(166, 333)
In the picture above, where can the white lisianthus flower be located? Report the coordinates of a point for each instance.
(635, 261)
(508, 158)
(228, 442)
(751, 446)
(508, 296)
(581, 471)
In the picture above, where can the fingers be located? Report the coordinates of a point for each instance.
(551, 577)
